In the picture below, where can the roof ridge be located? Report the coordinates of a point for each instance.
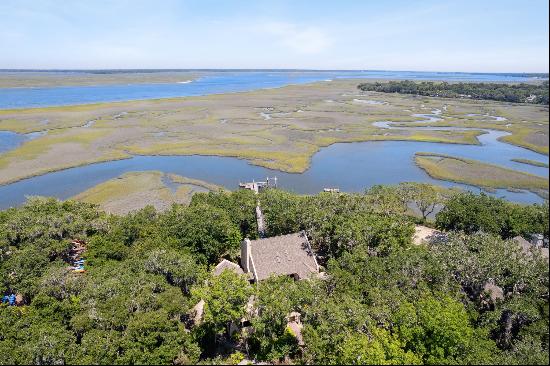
(299, 233)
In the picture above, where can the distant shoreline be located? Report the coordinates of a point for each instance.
(116, 71)
(52, 79)
(24, 81)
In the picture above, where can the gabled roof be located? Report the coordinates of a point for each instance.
(225, 264)
(283, 255)
(524, 244)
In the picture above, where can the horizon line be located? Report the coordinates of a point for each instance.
(260, 69)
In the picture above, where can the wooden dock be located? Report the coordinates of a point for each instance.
(257, 186)
(260, 221)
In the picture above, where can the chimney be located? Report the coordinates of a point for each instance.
(245, 255)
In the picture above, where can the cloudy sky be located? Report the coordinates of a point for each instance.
(432, 35)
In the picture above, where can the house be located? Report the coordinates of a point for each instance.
(196, 314)
(491, 294)
(78, 247)
(539, 241)
(426, 235)
(294, 325)
(527, 246)
(225, 264)
(12, 299)
(524, 244)
(289, 255)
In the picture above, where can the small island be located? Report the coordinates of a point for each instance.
(531, 162)
(479, 174)
(135, 190)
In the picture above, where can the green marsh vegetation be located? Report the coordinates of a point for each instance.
(383, 301)
(531, 162)
(477, 173)
(304, 118)
(135, 190)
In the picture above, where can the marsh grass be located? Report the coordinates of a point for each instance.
(531, 162)
(473, 172)
(287, 141)
(135, 190)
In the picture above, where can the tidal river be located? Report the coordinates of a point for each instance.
(214, 83)
(352, 167)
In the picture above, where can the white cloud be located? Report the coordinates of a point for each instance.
(306, 40)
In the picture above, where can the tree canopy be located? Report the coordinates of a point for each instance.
(515, 93)
(383, 300)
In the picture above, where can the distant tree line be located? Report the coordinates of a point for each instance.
(514, 93)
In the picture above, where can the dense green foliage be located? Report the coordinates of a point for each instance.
(383, 301)
(515, 93)
(472, 213)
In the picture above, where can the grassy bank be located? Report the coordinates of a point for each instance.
(135, 190)
(531, 162)
(473, 172)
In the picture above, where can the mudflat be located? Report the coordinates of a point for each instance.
(135, 190)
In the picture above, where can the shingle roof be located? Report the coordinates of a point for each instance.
(225, 264)
(524, 244)
(283, 255)
(495, 292)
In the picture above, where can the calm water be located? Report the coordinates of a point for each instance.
(351, 167)
(213, 82)
(10, 140)
(490, 151)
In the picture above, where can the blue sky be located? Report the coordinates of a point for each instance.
(465, 35)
